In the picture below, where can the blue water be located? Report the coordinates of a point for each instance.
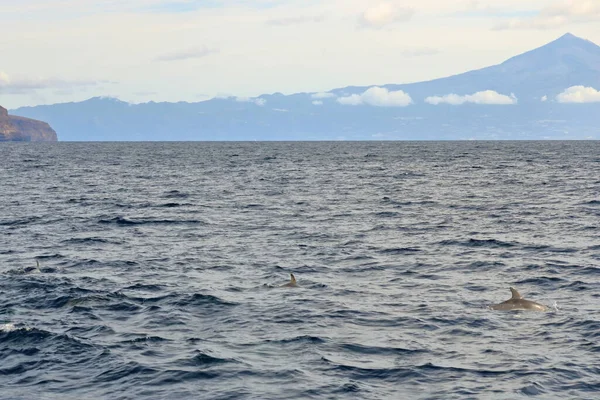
(160, 267)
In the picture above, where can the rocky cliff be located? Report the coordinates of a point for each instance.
(20, 129)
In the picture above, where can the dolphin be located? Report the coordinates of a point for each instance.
(517, 302)
(292, 282)
(27, 270)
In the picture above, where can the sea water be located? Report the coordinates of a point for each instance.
(161, 265)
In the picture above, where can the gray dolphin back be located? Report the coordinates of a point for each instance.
(292, 282)
(517, 302)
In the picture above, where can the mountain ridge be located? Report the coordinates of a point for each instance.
(534, 78)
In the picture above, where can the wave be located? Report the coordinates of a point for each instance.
(149, 221)
(490, 243)
(30, 341)
(146, 339)
(198, 299)
(422, 372)
(541, 281)
(201, 359)
(176, 194)
(378, 350)
(592, 203)
(19, 221)
(146, 287)
(173, 205)
(116, 372)
(90, 240)
(484, 265)
(387, 214)
(381, 374)
(299, 339)
(399, 250)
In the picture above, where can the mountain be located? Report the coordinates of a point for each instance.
(551, 92)
(20, 129)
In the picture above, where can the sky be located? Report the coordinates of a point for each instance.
(56, 51)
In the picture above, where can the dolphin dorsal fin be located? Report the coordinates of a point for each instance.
(292, 279)
(515, 294)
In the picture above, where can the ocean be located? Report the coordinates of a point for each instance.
(161, 265)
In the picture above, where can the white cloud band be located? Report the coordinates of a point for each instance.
(187, 54)
(21, 85)
(579, 94)
(256, 100)
(385, 13)
(483, 97)
(558, 14)
(378, 97)
(322, 95)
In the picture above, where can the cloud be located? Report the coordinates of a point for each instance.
(484, 97)
(256, 100)
(317, 103)
(573, 8)
(187, 54)
(131, 6)
(4, 79)
(419, 52)
(172, 6)
(378, 97)
(579, 94)
(558, 14)
(352, 100)
(385, 13)
(322, 95)
(145, 93)
(294, 20)
(499, 9)
(477, 7)
(532, 23)
(26, 85)
(544, 98)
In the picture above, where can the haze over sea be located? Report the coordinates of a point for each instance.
(160, 267)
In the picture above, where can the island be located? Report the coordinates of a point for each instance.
(21, 129)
